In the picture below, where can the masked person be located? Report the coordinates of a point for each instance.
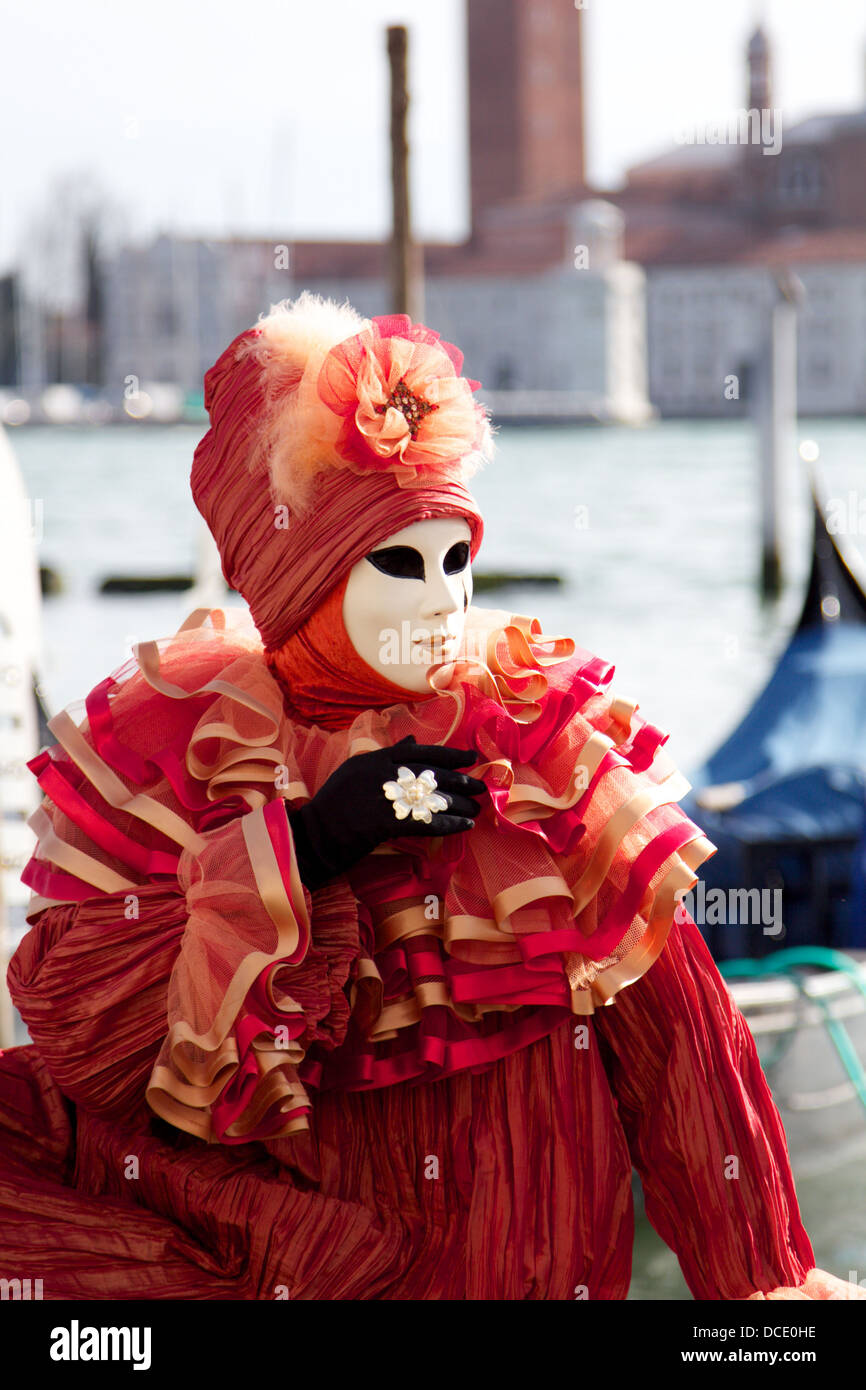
(357, 966)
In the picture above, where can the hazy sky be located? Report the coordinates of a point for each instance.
(270, 116)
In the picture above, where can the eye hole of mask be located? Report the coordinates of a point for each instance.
(400, 561)
(405, 562)
(457, 558)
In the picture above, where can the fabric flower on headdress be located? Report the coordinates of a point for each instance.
(370, 396)
(404, 404)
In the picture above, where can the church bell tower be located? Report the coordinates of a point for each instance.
(526, 133)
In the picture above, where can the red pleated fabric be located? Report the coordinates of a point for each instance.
(509, 1184)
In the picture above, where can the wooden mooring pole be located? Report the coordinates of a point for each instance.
(777, 420)
(406, 257)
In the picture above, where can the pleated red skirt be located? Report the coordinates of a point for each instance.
(512, 1183)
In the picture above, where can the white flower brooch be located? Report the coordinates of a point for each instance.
(417, 795)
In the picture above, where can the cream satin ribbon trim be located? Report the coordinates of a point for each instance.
(194, 1120)
(520, 631)
(244, 767)
(203, 1080)
(273, 1086)
(364, 744)
(367, 970)
(621, 711)
(432, 992)
(221, 729)
(584, 999)
(236, 780)
(520, 894)
(604, 988)
(148, 658)
(258, 766)
(112, 790)
(591, 755)
(199, 616)
(216, 1041)
(394, 1017)
(405, 1012)
(409, 921)
(613, 978)
(696, 851)
(617, 827)
(650, 946)
(269, 882)
(221, 1048)
(525, 797)
(586, 763)
(236, 625)
(486, 635)
(75, 860)
(466, 927)
(38, 904)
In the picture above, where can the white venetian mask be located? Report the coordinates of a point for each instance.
(405, 604)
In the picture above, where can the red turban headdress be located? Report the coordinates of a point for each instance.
(329, 433)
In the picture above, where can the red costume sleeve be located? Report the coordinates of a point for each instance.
(213, 973)
(702, 1127)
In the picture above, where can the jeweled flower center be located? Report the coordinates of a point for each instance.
(413, 408)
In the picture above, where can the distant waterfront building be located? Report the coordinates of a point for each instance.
(550, 316)
(566, 301)
(707, 323)
(711, 223)
(173, 305)
(566, 339)
(563, 340)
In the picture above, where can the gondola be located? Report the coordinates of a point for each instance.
(784, 797)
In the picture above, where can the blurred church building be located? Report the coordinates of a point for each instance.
(715, 225)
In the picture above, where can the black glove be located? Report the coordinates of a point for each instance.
(350, 815)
